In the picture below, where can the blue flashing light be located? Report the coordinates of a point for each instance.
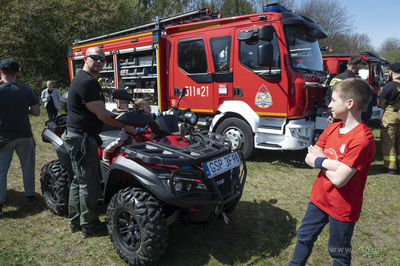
(275, 8)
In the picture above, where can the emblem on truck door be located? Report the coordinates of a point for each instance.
(263, 97)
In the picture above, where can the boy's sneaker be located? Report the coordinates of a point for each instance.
(89, 232)
(31, 200)
(74, 227)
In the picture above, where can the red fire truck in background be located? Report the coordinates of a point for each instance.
(372, 70)
(257, 78)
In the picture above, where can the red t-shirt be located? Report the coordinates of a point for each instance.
(355, 149)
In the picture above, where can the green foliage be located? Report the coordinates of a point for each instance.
(392, 56)
(390, 50)
(37, 33)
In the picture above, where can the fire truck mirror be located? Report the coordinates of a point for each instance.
(182, 92)
(265, 56)
(266, 33)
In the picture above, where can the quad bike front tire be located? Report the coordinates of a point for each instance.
(137, 226)
(55, 187)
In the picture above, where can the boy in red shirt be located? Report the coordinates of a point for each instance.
(344, 153)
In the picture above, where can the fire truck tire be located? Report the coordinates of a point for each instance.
(137, 226)
(55, 187)
(239, 133)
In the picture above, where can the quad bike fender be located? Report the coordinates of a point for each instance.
(142, 177)
(62, 153)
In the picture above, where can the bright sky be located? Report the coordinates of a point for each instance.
(378, 19)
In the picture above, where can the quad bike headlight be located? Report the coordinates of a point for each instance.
(189, 187)
(178, 186)
(191, 118)
(187, 184)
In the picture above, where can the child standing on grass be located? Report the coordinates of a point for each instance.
(344, 153)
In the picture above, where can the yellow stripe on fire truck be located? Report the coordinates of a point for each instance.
(113, 40)
(199, 26)
(272, 114)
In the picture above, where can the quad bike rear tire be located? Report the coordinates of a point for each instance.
(55, 187)
(137, 226)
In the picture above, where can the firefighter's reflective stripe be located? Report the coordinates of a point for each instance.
(390, 124)
(389, 158)
(334, 80)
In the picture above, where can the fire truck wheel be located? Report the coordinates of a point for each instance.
(239, 133)
(137, 226)
(55, 187)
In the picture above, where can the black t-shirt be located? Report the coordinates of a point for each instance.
(344, 75)
(84, 89)
(347, 74)
(15, 100)
(391, 92)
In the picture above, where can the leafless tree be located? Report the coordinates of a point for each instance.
(330, 14)
(359, 43)
(390, 44)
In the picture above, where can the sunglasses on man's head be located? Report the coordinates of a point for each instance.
(97, 58)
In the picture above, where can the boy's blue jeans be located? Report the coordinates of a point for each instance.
(340, 233)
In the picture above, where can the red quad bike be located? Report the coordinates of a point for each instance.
(148, 185)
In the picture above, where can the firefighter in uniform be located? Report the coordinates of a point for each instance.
(353, 66)
(389, 99)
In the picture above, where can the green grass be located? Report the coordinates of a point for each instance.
(262, 230)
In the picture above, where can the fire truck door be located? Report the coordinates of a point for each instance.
(223, 76)
(190, 68)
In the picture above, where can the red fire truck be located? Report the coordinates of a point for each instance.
(372, 70)
(257, 79)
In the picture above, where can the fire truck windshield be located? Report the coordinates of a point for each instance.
(304, 51)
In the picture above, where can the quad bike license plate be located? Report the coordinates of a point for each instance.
(222, 164)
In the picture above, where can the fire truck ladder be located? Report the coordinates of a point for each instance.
(160, 23)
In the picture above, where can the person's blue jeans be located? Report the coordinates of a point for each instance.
(25, 149)
(340, 233)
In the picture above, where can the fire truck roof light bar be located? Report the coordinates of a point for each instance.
(202, 14)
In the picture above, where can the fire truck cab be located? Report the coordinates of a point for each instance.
(256, 79)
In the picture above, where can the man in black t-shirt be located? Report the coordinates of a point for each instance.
(17, 102)
(86, 115)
